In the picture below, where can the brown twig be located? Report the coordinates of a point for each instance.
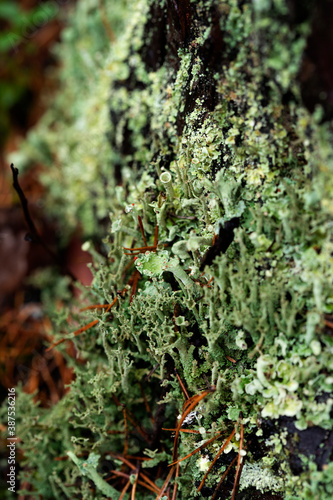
(239, 461)
(33, 234)
(151, 372)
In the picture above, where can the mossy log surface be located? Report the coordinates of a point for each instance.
(212, 121)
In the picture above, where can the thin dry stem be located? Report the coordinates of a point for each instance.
(238, 469)
(215, 459)
(222, 479)
(197, 449)
(166, 482)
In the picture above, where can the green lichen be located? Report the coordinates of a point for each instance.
(188, 145)
(262, 479)
(88, 468)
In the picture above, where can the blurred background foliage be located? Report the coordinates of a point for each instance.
(27, 28)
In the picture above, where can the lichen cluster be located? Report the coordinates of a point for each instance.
(188, 134)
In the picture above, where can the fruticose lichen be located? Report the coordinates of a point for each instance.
(192, 117)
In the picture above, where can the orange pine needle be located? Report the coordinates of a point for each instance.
(189, 431)
(149, 481)
(197, 449)
(165, 484)
(119, 473)
(136, 251)
(152, 486)
(146, 248)
(77, 332)
(231, 359)
(65, 457)
(154, 490)
(123, 459)
(222, 479)
(182, 386)
(238, 470)
(85, 327)
(216, 457)
(142, 230)
(156, 236)
(189, 408)
(127, 485)
(175, 487)
(136, 277)
(189, 401)
(107, 307)
(328, 323)
(134, 486)
(95, 306)
(126, 433)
